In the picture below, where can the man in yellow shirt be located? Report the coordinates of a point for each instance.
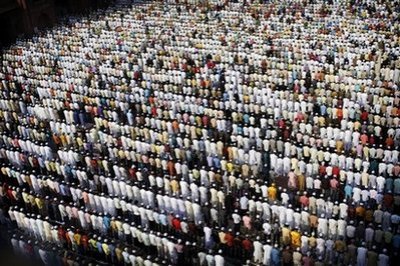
(312, 241)
(174, 186)
(230, 167)
(272, 192)
(77, 239)
(106, 250)
(295, 236)
(286, 236)
(92, 245)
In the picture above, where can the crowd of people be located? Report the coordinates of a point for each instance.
(206, 133)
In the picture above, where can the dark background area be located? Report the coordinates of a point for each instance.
(20, 18)
(7, 255)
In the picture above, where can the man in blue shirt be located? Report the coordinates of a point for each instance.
(348, 191)
(99, 245)
(275, 256)
(396, 184)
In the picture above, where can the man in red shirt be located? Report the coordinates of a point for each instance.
(334, 184)
(304, 201)
(61, 236)
(247, 246)
(176, 223)
(388, 199)
(85, 243)
(364, 116)
(229, 240)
